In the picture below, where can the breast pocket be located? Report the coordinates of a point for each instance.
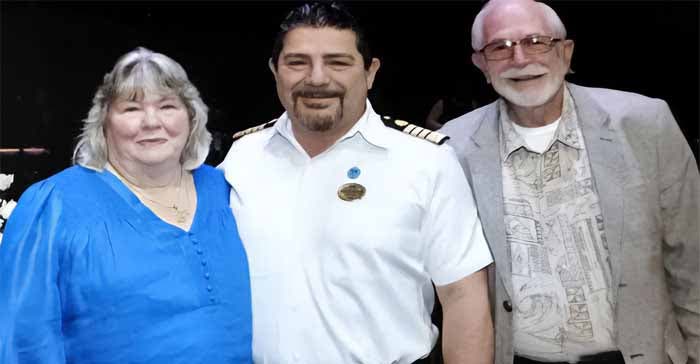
(366, 238)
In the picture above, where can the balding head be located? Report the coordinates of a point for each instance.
(487, 22)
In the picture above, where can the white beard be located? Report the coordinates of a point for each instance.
(533, 96)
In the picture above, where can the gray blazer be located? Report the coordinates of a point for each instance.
(649, 188)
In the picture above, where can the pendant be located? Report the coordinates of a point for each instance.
(180, 215)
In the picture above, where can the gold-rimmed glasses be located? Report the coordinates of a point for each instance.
(532, 44)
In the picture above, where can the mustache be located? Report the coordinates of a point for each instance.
(317, 93)
(531, 69)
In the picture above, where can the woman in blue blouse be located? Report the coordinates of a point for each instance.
(132, 255)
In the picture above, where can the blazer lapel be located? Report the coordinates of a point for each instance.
(485, 168)
(604, 149)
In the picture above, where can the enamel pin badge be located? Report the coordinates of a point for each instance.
(353, 173)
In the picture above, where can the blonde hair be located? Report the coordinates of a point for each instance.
(134, 73)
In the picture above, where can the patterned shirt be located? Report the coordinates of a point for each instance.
(560, 265)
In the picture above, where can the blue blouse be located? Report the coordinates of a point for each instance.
(88, 274)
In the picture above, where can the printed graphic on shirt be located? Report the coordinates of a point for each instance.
(559, 257)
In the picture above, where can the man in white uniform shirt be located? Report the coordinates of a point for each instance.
(347, 221)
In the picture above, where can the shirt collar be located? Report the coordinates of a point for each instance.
(369, 127)
(567, 132)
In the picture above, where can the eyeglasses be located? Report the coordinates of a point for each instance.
(532, 44)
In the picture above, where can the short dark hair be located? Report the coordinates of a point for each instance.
(319, 15)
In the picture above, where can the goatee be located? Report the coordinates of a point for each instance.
(317, 117)
(318, 120)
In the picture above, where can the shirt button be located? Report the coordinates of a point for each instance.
(206, 275)
(212, 299)
(195, 242)
(204, 262)
(209, 288)
(199, 251)
(507, 306)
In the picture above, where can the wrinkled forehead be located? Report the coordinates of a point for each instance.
(514, 21)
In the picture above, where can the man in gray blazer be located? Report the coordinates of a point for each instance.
(589, 201)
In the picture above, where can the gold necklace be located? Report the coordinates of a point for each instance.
(181, 213)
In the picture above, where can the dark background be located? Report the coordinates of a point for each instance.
(53, 56)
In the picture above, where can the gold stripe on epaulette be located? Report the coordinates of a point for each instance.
(252, 130)
(415, 130)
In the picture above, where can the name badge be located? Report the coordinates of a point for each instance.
(351, 191)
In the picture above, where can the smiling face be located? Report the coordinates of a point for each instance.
(147, 131)
(321, 79)
(526, 80)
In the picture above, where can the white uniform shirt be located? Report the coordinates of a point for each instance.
(337, 281)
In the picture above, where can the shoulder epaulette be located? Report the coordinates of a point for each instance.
(252, 130)
(415, 130)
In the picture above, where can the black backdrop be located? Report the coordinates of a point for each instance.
(54, 54)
